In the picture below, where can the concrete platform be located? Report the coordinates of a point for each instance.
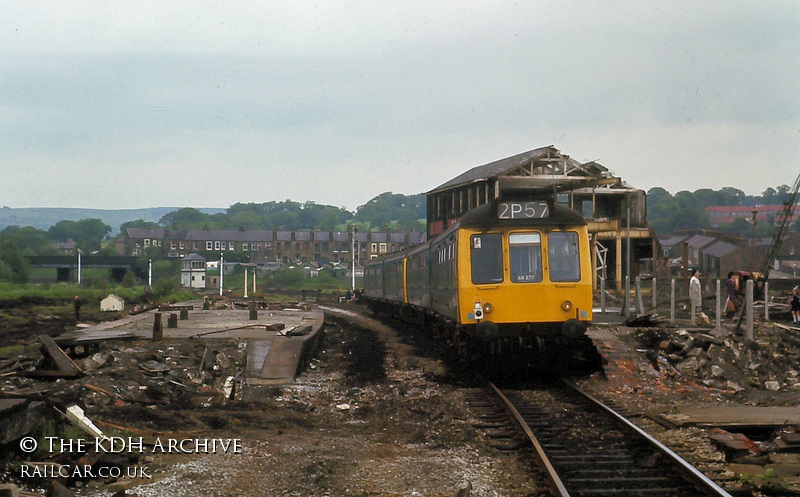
(273, 357)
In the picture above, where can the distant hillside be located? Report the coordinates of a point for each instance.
(45, 217)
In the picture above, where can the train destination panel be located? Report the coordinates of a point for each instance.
(522, 210)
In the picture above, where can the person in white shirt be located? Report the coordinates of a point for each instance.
(695, 293)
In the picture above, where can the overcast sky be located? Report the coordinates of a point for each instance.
(206, 104)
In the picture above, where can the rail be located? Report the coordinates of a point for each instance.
(586, 448)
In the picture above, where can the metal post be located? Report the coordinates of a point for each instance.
(221, 267)
(766, 300)
(628, 269)
(79, 267)
(655, 295)
(602, 294)
(150, 274)
(627, 300)
(245, 282)
(254, 280)
(672, 302)
(353, 257)
(719, 306)
(749, 309)
(639, 302)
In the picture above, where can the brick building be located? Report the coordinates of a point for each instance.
(316, 246)
(722, 215)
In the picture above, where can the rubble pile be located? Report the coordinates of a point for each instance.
(175, 375)
(127, 388)
(724, 361)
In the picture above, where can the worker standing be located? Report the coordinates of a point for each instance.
(695, 294)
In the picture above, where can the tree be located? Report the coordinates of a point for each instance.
(186, 218)
(740, 226)
(87, 233)
(388, 207)
(12, 258)
(139, 223)
(656, 195)
(769, 196)
(732, 196)
(30, 240)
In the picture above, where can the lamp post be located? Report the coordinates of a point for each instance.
(355, 253)
(753, 241)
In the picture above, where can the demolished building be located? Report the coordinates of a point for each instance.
(616, 211)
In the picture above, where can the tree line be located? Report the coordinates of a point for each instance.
(395, 211)
(666, 213)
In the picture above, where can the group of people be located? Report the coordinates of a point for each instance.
(732, 301)
(354, 295)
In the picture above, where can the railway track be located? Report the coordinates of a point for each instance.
(587, 449)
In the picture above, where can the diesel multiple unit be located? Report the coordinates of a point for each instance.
(508, 283)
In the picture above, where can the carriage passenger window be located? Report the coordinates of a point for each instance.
(525, 254)
(487, 258)
(562, 251)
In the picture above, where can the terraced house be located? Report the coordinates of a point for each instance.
(269, 245)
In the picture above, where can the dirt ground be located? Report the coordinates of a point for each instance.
(378, 414)
(374, 415)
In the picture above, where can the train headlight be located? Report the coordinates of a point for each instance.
(487, 307)
(566, 305)
(478, 311)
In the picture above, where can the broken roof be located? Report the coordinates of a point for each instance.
(543, 167)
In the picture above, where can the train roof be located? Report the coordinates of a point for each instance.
(486, 216)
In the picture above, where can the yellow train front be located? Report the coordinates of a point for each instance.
(508, 285)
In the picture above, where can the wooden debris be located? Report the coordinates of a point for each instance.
(644, 320)
(55, 357)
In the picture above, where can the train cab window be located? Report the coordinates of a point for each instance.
(562, 251)
(487, 258)
(525, 254)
